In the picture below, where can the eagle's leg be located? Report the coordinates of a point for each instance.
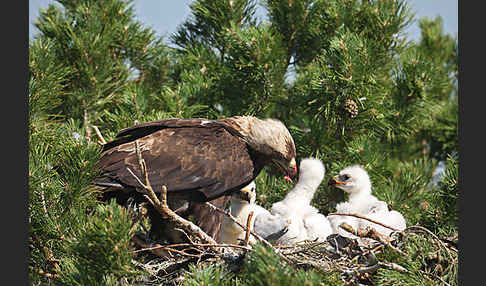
(207, 219)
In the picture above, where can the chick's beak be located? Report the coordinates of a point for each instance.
(246, 195)
(335, 181)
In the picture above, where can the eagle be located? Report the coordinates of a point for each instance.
(198, 160)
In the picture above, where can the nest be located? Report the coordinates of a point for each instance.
(355, 259)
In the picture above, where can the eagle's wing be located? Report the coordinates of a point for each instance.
(135, 132)
(195, 158)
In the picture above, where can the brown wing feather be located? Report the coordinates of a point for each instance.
(199, 162)
(135, 132)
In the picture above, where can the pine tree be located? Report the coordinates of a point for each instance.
(112, 59)
(83, 67)
(340, 74)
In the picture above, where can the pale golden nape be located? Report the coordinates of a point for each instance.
(268, 136)
(273, 134)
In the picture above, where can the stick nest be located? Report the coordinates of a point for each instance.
(355, 259)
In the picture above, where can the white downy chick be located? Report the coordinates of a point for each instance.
(355, 181)
(263, 223)
(306, 223)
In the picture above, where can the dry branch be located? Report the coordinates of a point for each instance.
(313, 254)
(98, 133)
(156, 249)
(258, 237)
(423, 229)
(157, 246)
(370, 232)
(374, 267)
(368, 219)
(248, 226)
(161, 205)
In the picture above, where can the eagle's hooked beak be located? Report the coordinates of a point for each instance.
(335, 181)
(291, 171)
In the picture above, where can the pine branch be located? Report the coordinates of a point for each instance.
(436, 238)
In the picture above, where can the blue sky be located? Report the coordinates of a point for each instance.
(165, 16)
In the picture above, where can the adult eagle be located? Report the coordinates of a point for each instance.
(198, 160)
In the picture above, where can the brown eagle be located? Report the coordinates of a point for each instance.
(198, 160)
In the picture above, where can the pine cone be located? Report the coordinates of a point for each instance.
(351, 108)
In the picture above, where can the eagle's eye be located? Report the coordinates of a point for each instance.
(344, 177)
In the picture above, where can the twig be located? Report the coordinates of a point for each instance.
(158, 251)
(258, 237)
(305, 246)
(393, 266)
(366, 269)
(186, 235)
(374, 267)
(368, 219)
(87, 125)
(158, 246)
(434, 276)
(98, 133)
(431, 233)
(369, 232)
(248, 227)
(182, 252)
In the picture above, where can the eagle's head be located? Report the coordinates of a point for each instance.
(279, 145)
(272, 139)
(353, 180)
